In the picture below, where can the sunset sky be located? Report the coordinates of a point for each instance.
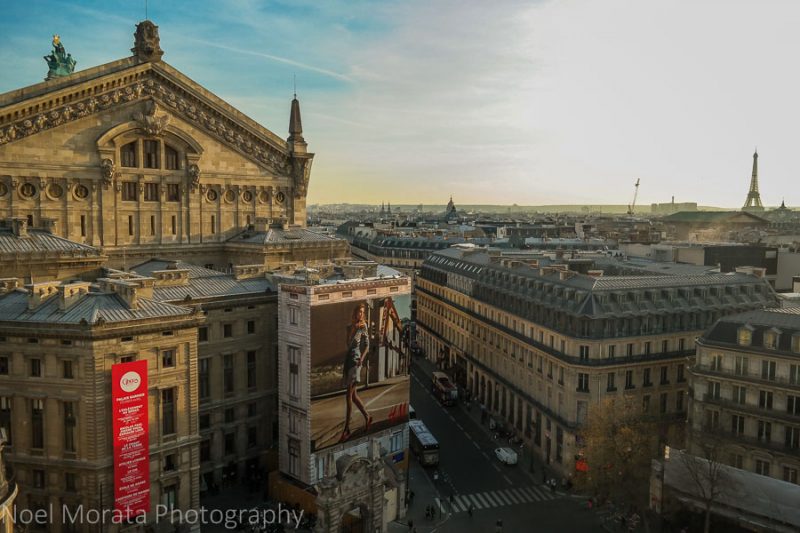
(493, 102)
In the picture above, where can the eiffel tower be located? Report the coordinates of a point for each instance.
(753, 202)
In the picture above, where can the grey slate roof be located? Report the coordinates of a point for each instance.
(41, 241)
(611, 296)
(785, 319)
(92, 306)
(203, 283)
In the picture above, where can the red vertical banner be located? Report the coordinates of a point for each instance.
(129, 422)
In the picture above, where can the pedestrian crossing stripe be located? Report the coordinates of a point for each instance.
(496, 498)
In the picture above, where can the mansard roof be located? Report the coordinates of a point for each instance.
(548, 283)
(42, 241)
(49, 104)
(783, 320)
(92, 307)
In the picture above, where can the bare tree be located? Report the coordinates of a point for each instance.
(705, 470)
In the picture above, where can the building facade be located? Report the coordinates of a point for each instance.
(539, 344)
(58, 343)
(350, 473)
(746, 389)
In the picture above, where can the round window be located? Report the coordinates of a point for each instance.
(28, 190)
(55, 190)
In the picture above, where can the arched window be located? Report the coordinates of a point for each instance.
(128, 155)
(170, 158)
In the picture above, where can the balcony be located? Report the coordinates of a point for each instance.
(752, 410)
(779, 381)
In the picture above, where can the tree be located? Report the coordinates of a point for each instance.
(619, 442)
(705, 471)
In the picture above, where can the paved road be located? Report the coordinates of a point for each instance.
(472, 476)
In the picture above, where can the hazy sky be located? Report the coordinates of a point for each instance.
(493, 102)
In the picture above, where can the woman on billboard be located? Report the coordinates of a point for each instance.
(357, 350)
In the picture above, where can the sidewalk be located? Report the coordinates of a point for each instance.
(474, 412)
(425, 494)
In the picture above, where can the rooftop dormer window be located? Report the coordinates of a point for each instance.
(771, 337)
(745, 336)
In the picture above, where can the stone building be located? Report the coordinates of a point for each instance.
(102, 170)
(746, 384)
(358, 482)
(236, 365)
(538, 344)
(136, 158)
(58, 342)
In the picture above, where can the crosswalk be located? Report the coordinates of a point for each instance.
(495, 498)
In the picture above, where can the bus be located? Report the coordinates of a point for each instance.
(423, 443)
(444, 389)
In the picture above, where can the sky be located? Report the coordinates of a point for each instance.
(502, 102)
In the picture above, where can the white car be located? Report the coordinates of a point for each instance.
(506, 455)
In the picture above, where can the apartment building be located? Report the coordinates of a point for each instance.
(746, 390)
(539, 344)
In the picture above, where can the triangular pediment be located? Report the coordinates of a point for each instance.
(26, 112)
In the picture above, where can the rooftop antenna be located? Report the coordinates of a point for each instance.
(294, 76)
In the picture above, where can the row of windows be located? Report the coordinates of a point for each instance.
(229, 443)
(763, 429)
(36, 367)
(228, 331)
(151, 155)
(771, 338)
(228, 375)
(740, 365)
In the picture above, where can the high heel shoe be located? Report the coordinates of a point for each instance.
(368, 424)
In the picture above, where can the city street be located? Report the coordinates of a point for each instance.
(471, 476)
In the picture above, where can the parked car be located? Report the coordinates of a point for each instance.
(506, 455)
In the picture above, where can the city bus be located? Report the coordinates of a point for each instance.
(423, 443)
(444, 389)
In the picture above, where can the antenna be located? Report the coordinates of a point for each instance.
(294, 76)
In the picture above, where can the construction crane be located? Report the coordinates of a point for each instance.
(632, 205)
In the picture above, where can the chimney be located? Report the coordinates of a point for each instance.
(262, 224)
(566, 274)
(19, 226)
(8, 284)
(71, 293)
(595, 273)
(40, 292)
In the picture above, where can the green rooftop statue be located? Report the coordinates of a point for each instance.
(59, 61)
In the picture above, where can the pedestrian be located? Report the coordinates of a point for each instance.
(411, 497)
(435, 476)
(553, 485)
(411, 525)
(590, 504)
(469, 510)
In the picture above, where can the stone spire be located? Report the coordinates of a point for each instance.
(296, 141)
(753, 202)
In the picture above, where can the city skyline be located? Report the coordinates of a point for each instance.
(433, 98)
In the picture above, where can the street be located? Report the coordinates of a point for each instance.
(471, 476)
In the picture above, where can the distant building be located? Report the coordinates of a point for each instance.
(716, 224)
(753, 201)
(746, 389)
(672, 207)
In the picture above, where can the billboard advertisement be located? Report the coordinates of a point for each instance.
(130, 438)
(359, 368)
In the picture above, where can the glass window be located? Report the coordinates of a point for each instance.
(151, 192)
(173, 192)
(4, 365)
(251, 369)
(202, 334)
(151, 154)
(37, 424)
(36, 368)
(168, 358)
(69, 426)
(168, 411)
(294, 371)
(203, 378)
(66, 367)
(170, 158)
(129, 192)
(227, 373)
(128, 155)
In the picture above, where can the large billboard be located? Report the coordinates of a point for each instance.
(129, 421)
(359, 368)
